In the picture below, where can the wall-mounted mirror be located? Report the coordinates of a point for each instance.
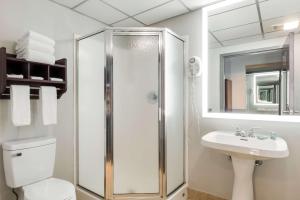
(254, 82)
(251, 60)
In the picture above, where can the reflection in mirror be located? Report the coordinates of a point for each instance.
(254, 82)
(251, 64)
(266, 89)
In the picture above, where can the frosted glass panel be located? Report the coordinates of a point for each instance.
(135, 108)
(91, 113)
(174, 112)
(296, 58)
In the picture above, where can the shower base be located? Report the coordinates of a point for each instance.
(180, 194)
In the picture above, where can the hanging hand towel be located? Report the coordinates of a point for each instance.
(48, 102)
(20, 105)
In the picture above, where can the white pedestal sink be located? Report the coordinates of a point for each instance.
(244, 151)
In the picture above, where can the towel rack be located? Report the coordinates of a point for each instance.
(9, 64)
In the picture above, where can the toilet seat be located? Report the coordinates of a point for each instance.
(50, 189)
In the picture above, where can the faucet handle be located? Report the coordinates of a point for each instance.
(254, 128)
(273, 135)
(251, 131)
(238, 131)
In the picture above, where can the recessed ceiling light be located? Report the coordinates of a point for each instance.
(290, 25)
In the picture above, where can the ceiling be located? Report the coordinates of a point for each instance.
(246, 21)
(132, 12)
(249, 21)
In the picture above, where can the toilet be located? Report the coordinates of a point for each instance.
(28, 167)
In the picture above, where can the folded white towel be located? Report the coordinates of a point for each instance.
(15, 76)
(35, 45)
(56, 79)
(38, 37)
(37, 78)
(48, 102)
(36, 56)
(20, 105)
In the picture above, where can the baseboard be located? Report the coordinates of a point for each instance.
(84, 195)
(180, 194)
(197, 195)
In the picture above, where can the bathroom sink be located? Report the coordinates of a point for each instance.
(258, 148)
(244, 150)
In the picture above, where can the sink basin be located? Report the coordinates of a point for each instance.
(244, 151)
(248, 147)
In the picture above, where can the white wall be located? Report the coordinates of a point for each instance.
(210, 171)
(16, 17)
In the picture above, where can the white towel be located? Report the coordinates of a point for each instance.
(32, 44)
(38, 37)
(36, 56)
(20, 105)
(56, 79)
(15, 76)
(48, 102)
(37, 78)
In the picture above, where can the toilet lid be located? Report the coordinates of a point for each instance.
(50, 189)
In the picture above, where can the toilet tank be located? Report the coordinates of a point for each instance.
(28, 161)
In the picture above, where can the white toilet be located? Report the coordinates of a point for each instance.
(28, 166)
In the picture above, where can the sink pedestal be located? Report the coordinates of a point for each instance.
(243, 178)
(244, 151)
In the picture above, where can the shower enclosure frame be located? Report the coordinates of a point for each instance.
(108, 96)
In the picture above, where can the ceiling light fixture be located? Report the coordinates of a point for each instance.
(291, 25)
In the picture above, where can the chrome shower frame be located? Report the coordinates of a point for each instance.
(109, 160)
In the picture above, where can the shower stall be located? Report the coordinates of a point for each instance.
(129, 85)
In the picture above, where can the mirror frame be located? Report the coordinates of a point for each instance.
(242, 116)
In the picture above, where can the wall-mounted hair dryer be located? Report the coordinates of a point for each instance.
(194, 68)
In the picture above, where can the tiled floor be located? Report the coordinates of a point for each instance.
(192, 195)
(196, 195)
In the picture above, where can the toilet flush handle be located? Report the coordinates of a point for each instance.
(18, 154)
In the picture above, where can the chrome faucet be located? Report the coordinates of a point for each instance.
(251, 131)
(273, 136)
(246, 133)
(240, 132)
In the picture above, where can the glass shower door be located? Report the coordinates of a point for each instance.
(130, 116)
(135, 114)
(174, 112)
(90, 102)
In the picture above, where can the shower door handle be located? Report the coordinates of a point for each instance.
(152, 97)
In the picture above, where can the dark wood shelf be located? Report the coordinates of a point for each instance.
(9, 64)
(31, 62)
(42, 82)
